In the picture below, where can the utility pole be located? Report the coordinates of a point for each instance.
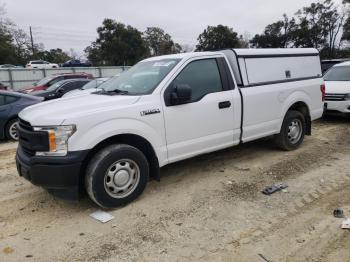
(31, 40)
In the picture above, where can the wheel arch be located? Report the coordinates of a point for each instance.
(130, 139)
(302, 107)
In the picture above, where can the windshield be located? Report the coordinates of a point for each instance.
(90, 85)
(43, 81)
(338, 73)
(93, 84)
(54, 86)
(142, 78)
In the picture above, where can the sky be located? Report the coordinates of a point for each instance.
(72, 23)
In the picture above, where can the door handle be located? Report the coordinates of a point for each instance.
(225, 104)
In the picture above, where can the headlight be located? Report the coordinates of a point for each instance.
(347, 97)
(58, 139)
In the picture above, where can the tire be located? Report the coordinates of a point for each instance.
(116, 175)
(292, 131)
(11, 129)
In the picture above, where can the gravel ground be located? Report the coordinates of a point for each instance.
(208, 208)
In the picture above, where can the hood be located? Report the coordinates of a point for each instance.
(38, 93)
(80, 92)
(337, 87)
(55, 112)
(32, 89)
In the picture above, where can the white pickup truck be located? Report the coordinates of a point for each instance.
(166, 109)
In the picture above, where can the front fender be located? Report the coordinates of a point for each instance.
(88, 138)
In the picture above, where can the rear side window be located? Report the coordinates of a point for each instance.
(202, 76)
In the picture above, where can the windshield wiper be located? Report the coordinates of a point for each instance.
(111, 92)
(118, 91)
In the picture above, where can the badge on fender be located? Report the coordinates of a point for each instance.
(150, 112)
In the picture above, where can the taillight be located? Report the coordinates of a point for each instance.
(323, 91)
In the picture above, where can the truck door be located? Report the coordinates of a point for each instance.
(206, 122)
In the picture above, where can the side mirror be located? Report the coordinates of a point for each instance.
(182, 94)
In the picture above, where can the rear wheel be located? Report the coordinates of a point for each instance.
(292, 131)
(11, 129)
(116, 175)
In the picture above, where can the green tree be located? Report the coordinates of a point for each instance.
(117, 44)
(159, 42)
(319, 26)
(7, 48)
(54, 56)
(217, 37)
(346, 26)
(276, 35)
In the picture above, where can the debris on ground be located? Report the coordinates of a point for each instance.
(102, 216)
(273, 189)
(8, 250)
(346, 224)
(264, 258)
(338, 213)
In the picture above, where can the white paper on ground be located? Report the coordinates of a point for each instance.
(102, 216)
(346, 224)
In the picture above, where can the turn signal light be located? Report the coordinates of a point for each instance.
(52, 141)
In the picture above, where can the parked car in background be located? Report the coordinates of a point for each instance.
(88, 88)
(337, 81)
(327, 64)
(41, 64)
(60, 88)
(11, 103)
(48, 81)
(76, 63)
(2, 86)
(8, 66)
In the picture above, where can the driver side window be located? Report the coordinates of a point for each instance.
(202, 76)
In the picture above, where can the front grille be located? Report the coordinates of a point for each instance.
(23, 141)
(335, 97)
(32, 141)
(25, 125)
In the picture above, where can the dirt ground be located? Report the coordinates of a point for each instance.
(209, 208)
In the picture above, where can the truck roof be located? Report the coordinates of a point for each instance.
(182, 55)
(275, 51)
(245, 52)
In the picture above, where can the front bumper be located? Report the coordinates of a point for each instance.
(60, 175)
(340, 106)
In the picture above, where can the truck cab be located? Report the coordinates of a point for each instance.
(166, 109)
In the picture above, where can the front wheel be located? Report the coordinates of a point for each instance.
(116, 175)
(292, 131)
